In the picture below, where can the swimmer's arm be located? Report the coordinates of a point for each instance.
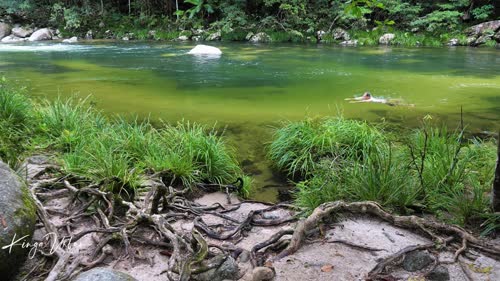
(358, 101)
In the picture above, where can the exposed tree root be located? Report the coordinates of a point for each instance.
(117, 221)
(410, 222)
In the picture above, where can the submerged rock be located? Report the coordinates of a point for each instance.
(205, 50)
(73, 39)
(41, 34)
(417, 260)
(103, 274)
(4, 29)
(17, 220)
(386, 38)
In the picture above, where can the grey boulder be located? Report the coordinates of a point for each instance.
(340, 34)
(22, 32)
(479, 29)
(12, 39)
(73, 39)
(418, 260)
(17, 220)
(104, 274)
(386, 38)
(41, 34)
(260, 37)
(5, 29)
(214, 36)
(440, 273)
(228, 269)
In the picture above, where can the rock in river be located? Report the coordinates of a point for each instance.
(22, 32)
(73, 39)
(12, 39)
(4, 29)
(260, 37)
(17, 219)
(386, 38)
(41, 34)
(104, 274)
(205, 50)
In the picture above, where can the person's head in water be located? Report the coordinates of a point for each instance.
(366, 96)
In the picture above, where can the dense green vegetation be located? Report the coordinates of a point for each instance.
(113, 151)
(289, 20)
(427, 170)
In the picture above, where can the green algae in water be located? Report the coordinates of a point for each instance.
(251, 87)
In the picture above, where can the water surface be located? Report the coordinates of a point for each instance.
(250, 88)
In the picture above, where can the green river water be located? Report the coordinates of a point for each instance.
(250, 88)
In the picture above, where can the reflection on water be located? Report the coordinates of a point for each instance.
(251, 87)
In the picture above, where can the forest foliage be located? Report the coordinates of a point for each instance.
(305, 16)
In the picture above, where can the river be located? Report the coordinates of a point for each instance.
(251, 88)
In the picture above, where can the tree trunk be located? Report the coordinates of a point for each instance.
(496, 182)
(177, 9)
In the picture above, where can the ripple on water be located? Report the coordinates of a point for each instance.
(47, 48)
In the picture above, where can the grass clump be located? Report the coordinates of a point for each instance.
(299, 146)
(429, 170)
(16, 121)
(63, 124)
(192, 153)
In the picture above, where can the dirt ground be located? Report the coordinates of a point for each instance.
(345, 249)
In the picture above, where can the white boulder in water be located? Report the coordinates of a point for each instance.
(73, 39)
(205, 50)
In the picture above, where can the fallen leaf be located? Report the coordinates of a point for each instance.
(327, 268)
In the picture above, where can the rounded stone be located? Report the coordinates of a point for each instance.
(417, 260)
(262, 274)
(440, 273)
(104, 274)
(17, 221)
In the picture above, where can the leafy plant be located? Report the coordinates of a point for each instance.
(200, 6)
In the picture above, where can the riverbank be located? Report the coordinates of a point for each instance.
(338, 36)
(365, 22)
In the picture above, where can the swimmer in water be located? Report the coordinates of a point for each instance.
(367, 97)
